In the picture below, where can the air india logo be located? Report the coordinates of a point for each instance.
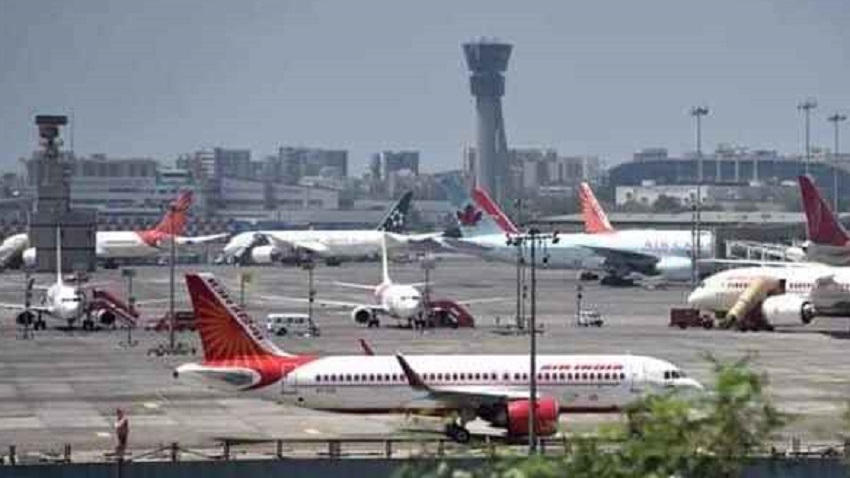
(469, 216)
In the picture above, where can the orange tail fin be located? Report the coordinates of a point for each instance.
(174, 221)
(595, 219)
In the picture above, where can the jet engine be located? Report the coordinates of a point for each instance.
(787, 309)
(265, 255)
(362, 316)
(105, 317)
(674, 268)
(29, 257)
(514, 416)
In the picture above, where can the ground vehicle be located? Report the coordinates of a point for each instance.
(184, 320)
(589, 318)
(684, 318)
(290, 323)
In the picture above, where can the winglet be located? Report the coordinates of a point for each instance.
(413, 378)
(595, 219)
(367, 349)
(822, 226)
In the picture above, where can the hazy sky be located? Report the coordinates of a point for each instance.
(162, 77)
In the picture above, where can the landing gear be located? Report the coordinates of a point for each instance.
(457, 432)
(39, 324)
(373, 321)
(617, 281)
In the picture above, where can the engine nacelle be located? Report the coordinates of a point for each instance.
(787, 309)
(29, 257)
(105, 317)
(546, 418)
(674, 268)
(26, 317)
(361, 315)
(265, 255)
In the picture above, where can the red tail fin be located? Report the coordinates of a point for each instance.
(822, 226)
(174, 221)
(482, 199)
(227, 332)
(595, 219)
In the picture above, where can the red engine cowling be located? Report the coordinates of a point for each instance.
(105, 317)
(546, 420)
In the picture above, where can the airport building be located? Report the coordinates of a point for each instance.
(534, 169)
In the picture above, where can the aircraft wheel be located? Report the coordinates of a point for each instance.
(457, 433)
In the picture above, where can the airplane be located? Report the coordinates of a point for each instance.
(785, 295)
(827, 240)
(239, 357)
(664, 254)
(264, 247)
(112, 245)
(61, 301)
(12, 249)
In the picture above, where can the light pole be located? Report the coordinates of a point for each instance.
(520, 272)
(835, 118)
(172, 329)
(128, 274)
(535, 238)
(697, 112)
(806, 107)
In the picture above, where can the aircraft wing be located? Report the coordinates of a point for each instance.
(312, 246)
(486, 300)
(325, 303)
(462, 245)
(461, 397)
(11, 306)
(192, 240)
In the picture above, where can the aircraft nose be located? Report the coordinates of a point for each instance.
(698, 297)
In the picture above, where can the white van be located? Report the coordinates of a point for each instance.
(289, 323)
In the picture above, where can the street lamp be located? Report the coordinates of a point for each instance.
(697, 112)
(835, 119)
(806, 107)
(128, 273)
(535, 239)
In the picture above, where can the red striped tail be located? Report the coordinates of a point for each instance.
(595, 219)
(483, 200)
(227, 332)
(174, 221)
(822, 227)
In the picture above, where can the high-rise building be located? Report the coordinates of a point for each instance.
(487, 61)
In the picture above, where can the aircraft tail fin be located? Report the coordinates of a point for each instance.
(822, 226)
(174, 221)
(227, 332)
(395, 219)
(483, 200)
(471, 219)
(595, 219)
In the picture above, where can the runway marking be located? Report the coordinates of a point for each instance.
(312, 431)
(151, 405)
(103, 434)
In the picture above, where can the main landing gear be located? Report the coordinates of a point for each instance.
(457, 432)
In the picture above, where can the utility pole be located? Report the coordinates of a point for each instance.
(129, 273)
(697, 112)
(172, 329)
(520, 272)
(835, 119)
(535, 238)
(806, 107)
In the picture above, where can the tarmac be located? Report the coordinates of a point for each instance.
(64, 386)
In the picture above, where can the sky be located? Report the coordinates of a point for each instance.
(158, 78)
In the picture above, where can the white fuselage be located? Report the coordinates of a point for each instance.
(375, 384)
(123, 244)
(63, 302)
(574, 251)
(342, 243)
(721, 291)
(399, 300)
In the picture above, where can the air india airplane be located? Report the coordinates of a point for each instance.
(111, 245)
(239, 357)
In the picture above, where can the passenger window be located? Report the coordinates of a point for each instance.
(454, 377)
(569, 376)
(516, 376)
(371, 377)
(378, 377)
(347, 377)
(477, 376)
(584, 376)
(506, 376)
(562, 376)
(622, 376)
(607, 376)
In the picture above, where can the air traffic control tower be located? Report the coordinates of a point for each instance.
(53, 211)
(487, 61)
